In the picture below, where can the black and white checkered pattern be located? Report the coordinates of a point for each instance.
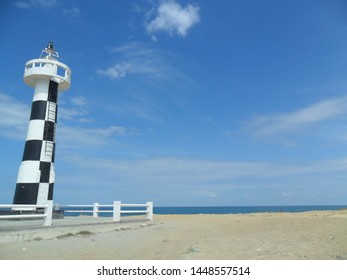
(36, 175)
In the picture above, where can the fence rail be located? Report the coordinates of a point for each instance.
(47, 215)
(116, 209)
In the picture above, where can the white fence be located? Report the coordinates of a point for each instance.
(47, 215)
(117, 210)
(117, 206)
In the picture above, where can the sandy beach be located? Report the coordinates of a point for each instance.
(318, 235)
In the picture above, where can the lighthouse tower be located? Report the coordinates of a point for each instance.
(36, 175)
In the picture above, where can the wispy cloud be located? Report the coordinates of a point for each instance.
(123, 69)
(172, 18)
(136, 107)
(333, 109)
(137, 59)
(77, 126)
(72, 12)
(76, 110)
(14, 117)
(184, 172)
(21, 5)
(88, 137)
(206, 180)
(155, 80)
(79, 100)
(35, 3)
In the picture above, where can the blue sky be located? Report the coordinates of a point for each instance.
(184, 102)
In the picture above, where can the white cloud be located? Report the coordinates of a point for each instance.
(120, 70)
(35, 3)
(123, 69)
(75, 110)
(21, 4)
(71, 113)
(136, 8)
(196, 172)
(153, 81)
(14, 117)
(183, 180)
(172, 18)
(87, 137)
(79, 100)
(44, 3)
(72, 12)
(317, 113)
(285, 194)
(136, 58)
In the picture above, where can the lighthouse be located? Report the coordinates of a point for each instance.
(36, 176)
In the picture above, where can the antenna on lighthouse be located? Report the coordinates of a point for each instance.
(49, 51)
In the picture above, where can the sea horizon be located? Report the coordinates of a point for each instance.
(195, 210)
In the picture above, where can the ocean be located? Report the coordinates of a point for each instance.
(211, 209)
(240, 209)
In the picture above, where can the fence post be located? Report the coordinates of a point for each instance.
(49, 212)
(116, 211)
(149, 209)
(95, 210)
